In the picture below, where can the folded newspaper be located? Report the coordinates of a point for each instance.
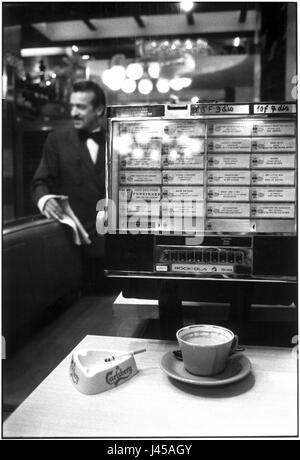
(80, 236)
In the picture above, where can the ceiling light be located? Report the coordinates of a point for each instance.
(119, 72)
(49, 51)
(75, 48)
(134, 71)
(128, 86)
(85, 57)
(154, 69)
(113, 78)
(186, 81)
(106, 76)
(115, 85)
(237, 42)
(176, 84)
(145, 86)
(188, 44)
(162, 85)
(186, 5)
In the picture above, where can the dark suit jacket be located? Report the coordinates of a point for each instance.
(66, 168)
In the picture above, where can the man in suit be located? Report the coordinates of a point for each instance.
(73, 163)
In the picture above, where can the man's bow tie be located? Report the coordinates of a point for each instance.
(96, 136)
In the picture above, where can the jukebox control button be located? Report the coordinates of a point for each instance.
(231, 257)
(174, 256)
(223, 256)
(198, 256)
(206, 256)
(214, 257)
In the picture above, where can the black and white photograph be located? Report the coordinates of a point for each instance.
(149, 284)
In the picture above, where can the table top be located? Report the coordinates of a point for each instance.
(153, 405)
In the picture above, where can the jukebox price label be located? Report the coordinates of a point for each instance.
(140, 131)
(228, 210)
(219, 109)
(177, 159)
(273, 194)
(276, 128)
(276, 161)
(229, 129)
(277, 225)
(139, 193)
(182, 193)
(274, 108)
(229, 145)
(229, 225)
(286, 211)
(183, 177)
(139, 223)
(228, 193)
(193, 224)
(140, 177)
(228, 161)
(140, 209)
(182, 209)
(184, 128)
(284, 144)
(142, 156)
(273, 177)
(228, 177)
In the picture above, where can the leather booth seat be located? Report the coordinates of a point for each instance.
(41, 266)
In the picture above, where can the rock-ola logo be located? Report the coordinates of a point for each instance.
(118, 374)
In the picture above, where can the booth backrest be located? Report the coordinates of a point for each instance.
(41, 265)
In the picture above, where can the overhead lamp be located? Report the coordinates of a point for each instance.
(106, 77)
(48, 51)
(75, 48)
(134, 71)
(85, 57)
(188, 44)
(185, 82)
(154, 69)
(236, 42)
(114, 77)
(186, 5)
(128, 86)
(119, 72)
(145, 86)
(162, 85)
(176, 84)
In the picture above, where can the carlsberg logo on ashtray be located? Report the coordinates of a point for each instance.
(116, 375)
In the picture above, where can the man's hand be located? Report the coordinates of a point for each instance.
(53, 209)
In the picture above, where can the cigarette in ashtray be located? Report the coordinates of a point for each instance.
(132, 352)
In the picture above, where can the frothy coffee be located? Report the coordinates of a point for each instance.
(204, 338)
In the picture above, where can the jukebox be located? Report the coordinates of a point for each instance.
(204, 193)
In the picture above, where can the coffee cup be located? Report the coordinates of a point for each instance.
(206, 348)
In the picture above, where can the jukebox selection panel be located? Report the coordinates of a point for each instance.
(251, 168)
(161, 175)
(206, 175)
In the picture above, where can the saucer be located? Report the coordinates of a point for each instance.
(238, 367)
